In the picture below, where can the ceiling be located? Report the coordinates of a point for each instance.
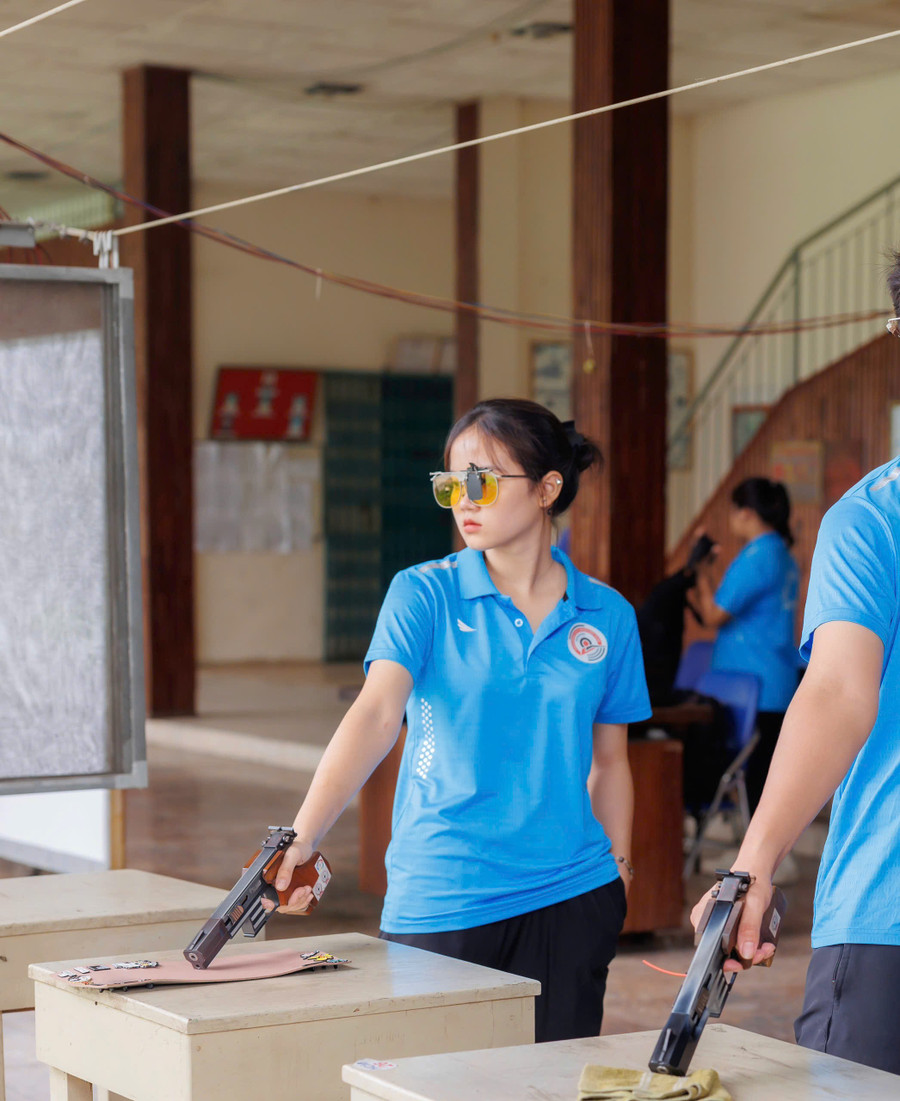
(256, 127)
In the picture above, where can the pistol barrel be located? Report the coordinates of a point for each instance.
(207, 944)
(241, 905)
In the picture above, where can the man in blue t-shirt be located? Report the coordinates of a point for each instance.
(841, 736)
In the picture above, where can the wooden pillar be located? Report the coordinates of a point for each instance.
(156, 120)
(467, 183)
(619, 274)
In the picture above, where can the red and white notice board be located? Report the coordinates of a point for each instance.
(263, 403)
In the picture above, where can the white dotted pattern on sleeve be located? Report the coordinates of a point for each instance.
(426, 751)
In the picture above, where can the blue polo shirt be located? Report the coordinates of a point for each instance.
(855, 578)
(491, 815)
(759, 592)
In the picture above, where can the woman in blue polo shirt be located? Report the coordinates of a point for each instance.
(754, 608)
(518, 676)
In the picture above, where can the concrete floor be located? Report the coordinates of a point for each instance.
(245, 763)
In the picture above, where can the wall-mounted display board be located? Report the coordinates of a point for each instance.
(263, 403)
(71, 655)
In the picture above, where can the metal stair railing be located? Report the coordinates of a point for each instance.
(838, 269)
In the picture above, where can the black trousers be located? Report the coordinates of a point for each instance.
(567, 947)
(852, 1004)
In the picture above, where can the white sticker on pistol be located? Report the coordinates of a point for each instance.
(324, 878)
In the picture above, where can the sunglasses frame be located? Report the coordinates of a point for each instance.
(463, 477)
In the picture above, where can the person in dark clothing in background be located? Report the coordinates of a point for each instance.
(661, 625)
(753, 611)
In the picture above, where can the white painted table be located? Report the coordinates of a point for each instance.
(282, 1037)
(752, 1068)
(58, 916)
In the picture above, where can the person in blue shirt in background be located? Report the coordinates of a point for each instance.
(841, 737)
(518, 675)
(753, 609)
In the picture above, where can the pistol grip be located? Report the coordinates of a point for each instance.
(772, 919)
(315, 873)
(770, 927)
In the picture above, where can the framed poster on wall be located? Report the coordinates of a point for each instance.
(551, 376)
(799, 464)
(746, 421)
(263, 403)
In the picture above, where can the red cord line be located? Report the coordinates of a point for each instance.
(663, 971)
(535, 321)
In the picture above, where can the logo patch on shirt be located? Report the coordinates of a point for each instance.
(587, 643)
(464, 626)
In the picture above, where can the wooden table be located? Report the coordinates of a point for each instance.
(52, 916)
(657, 893)
(678, 715)
(283, 1037)
(752, 1068)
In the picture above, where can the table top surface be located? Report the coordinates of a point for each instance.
(381, 977)
(52, 903)
(751, 1067)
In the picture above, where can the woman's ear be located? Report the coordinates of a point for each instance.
(551, 487)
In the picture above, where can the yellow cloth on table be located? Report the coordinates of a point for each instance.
(618, 1084)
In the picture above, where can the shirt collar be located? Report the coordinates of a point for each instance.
(585, 591)
(475, 581)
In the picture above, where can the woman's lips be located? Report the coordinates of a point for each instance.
(471, 525)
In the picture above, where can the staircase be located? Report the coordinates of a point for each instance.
(839, 269)
(850, 410)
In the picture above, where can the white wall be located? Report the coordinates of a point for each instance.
(767, 173)
(251, 312)
(681, 219)
(525, 234)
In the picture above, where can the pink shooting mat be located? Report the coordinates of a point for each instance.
(266, 965)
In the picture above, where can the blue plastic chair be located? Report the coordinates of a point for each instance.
(739, 694)
(694, 663)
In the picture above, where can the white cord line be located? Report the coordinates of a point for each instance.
(38, 18)
(496, 137)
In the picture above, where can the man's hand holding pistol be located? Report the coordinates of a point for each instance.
(756, 902)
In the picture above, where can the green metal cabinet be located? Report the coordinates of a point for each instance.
(384, 434)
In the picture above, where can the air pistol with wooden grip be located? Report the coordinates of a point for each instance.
(706, 986)
(242, 908)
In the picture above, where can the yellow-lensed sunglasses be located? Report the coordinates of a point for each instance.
(482, 485)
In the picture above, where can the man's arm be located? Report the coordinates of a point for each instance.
(825, 727)
(611, 790)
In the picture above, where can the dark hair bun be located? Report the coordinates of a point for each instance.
(584, 453)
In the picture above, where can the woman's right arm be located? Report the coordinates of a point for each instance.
(362, 740)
